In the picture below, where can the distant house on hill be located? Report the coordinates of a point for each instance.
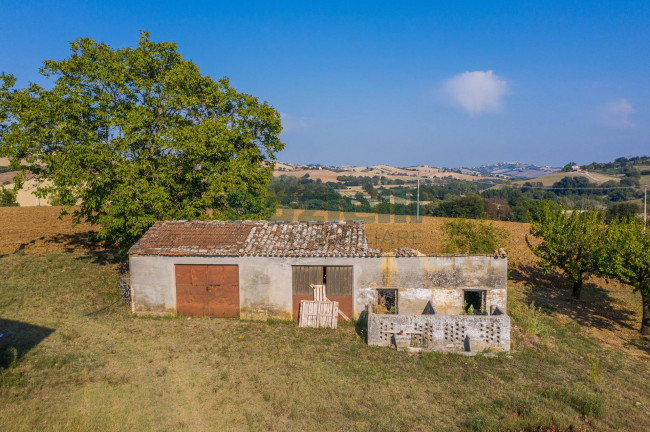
(260, 269)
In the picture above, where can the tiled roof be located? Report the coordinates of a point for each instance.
(255, 238)
(407, 252)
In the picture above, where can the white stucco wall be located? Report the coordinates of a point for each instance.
(265, 282)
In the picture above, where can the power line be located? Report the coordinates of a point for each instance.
(574, 188)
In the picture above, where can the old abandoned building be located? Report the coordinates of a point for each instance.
(261, 269)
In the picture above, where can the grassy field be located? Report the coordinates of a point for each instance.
(114, 371)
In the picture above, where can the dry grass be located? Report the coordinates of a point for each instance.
(549, 179)
(113, 371)
(387, 171)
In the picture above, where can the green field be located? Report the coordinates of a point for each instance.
(113, 371)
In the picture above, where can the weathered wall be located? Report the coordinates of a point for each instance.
(438, 279)
(265, 282)
(451, 333)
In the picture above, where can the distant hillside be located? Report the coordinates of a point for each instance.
(517, 170)
(329, 173)
(501, 170)
(552, 178)
(637, 167)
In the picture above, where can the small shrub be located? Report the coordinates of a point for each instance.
(530, 318)
(472, 237)
(8, 198)
(589, 404)
(593, 368)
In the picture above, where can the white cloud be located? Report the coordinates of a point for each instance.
(616, 114)
(476, 92)
(292, 123)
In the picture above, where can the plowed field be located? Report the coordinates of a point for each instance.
(39, 229)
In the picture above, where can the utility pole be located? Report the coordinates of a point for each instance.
(417, 206)
(645, 207)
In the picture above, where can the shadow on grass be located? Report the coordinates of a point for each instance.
(642, 344)
(107, 257)
(74, 242)
(596, 307)
(98, 252)
(68, 242)
(21, 335)
(361, 326)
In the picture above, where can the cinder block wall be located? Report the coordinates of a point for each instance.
(450, 333)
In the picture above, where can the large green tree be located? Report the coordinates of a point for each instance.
(571, 241)
(627, 258)
(135, 135)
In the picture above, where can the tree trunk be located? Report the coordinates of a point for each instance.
(645, 320)
(577, 288)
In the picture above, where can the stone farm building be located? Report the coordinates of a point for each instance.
(260, 269)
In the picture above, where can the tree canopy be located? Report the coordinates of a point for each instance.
(571, 241)
(627, 258)
(135, 135)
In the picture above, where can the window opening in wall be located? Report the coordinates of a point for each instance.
(386, 301)
(474, 302)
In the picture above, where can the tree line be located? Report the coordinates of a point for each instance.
(448, 198)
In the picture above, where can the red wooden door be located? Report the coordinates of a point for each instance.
(207, 290)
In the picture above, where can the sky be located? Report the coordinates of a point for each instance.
(449, 83)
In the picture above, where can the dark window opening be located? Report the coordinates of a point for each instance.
(386, 301)
(474, 302)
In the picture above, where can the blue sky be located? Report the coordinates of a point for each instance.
(404, 83)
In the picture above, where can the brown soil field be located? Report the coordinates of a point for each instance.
(39, 229)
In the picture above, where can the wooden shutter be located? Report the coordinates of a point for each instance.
(338, 280)
(303, 277)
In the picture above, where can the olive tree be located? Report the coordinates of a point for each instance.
(129, 136)
(571, 241)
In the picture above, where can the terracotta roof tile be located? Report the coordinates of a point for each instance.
(250, 238)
